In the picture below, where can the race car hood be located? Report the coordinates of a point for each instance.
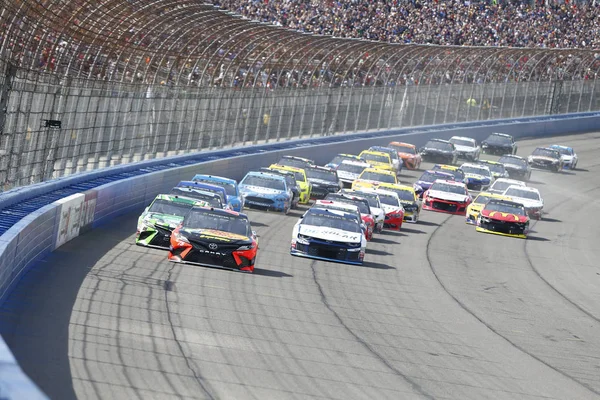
(438, 194)
(214, 235)
(347, 175)
(514, 166)
(250, 190)
(476, 177)
(544, 158)
(475, 207)
(566, 157)
(326, 233)
(507, 217)
(387, 209)
(378, 214)
(406, 156)
(437, 151)
(322, 182)
(162, 219)
(528, 203)
(465, 149)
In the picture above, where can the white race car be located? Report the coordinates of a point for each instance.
(330, 235)
(348, 171)
(477, 176)
(501, 184)
(529, 197)
(374, 203)
(568, 156)
(466, 147)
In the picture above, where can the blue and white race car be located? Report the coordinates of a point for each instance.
(330, 235)
(477, 176)
(568, 156)
(234, 198)
(266, 191)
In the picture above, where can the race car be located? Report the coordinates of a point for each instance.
(207, 187)
(568, 155)
(378, 159)
(362, 204)
(500, 144)
(466, 147)
(529, 197)
(447, 196)
(348, 171)
(392, 207)
(427, 178)
(374, 204)
(500, 185)
(158, 220)
(503, 217)
(266, 191)
(438, 150)
(301, 180)
(214, 237)
(396, 160)
(290, 179)
(371, 176)
(293, 161)
(212, 199)
(478, 203)
(517, 167)
(337, 205)
(457, 173)
(323, 180)
(408, 153)
(477, 176)
(546, 158)
(329, 235)
(234, 198)
(498, 170)
(408, 198)
(337, 160)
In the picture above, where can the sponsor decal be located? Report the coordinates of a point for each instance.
(504, 215)
(88, 210)
(213, 246)
(69, 218)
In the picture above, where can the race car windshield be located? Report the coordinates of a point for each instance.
(388, 199)
(496, 168)
(462, 142)
(332, 220)
(458, 174)
(545, 153)
(563, 151)
(405, 195)
(314, 173)
(482, 199)
(213, 200)
(501, 186)
(438, 146)
(229, 187)
(376, 158)
(375, 176)
(497, 139)
(372, 198)
(204, 219)
(352, 168)
(431, 177)
(474, 170)
(512, 160)
(505, 208)
(292, 162)
(524, 194)
(390, 152)
(444, 187)
(177, 208)
(264, 181)
(298, 175)
(404, 149)
(363, 206)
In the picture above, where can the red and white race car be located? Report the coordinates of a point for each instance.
(447, 196)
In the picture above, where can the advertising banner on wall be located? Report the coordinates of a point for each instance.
(69, 218)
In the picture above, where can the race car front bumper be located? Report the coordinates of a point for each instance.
(445, 206)
(393, 221)
(503, 228)
(321, 250)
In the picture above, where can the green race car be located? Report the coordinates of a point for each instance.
(160, 218)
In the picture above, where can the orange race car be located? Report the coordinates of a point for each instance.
(408, 153)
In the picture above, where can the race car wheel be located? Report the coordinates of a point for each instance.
(286, 210)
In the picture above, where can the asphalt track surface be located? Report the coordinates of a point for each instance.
(439, 311)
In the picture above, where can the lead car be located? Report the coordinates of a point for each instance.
(214, 237)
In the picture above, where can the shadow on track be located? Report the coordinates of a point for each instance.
(537, 239)
(427, 223)
(412, 231)
(258, 225)
(378, 252)
(378, 239)
(374, 265)
(270, 273)
(546, 219)
(532, 182)
(581, 170)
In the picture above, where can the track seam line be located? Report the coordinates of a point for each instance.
(490, 327)
(179, 345)
(324, 300)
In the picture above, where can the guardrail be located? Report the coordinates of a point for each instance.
(90, 199)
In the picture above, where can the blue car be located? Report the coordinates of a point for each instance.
(427, 179)
(220, 190)
(266, 191)
(234, 198)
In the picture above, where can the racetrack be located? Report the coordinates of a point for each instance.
(439, 311)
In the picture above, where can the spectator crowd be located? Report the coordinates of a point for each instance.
(454, 22)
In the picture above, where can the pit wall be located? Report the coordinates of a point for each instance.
(53, 225)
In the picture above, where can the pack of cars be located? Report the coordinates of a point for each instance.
(201, 221)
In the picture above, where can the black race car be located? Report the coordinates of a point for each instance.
(500, 144)
(324, 180)
(298, 162)
(517, 167)
(438, 150)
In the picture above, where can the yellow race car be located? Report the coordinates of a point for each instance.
(409, 199)
(378, 159)
(300, 175)
(371, 177)
(477, 205)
